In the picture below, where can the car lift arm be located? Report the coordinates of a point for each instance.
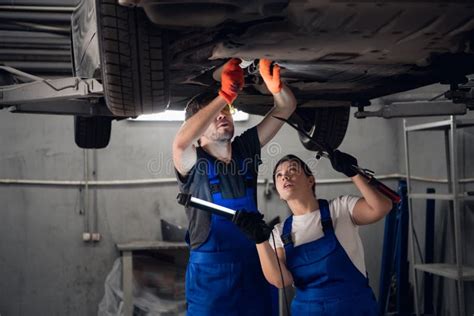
(72, 95)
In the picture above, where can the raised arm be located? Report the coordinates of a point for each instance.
(285, 102)
(374, 205)
(184, 152)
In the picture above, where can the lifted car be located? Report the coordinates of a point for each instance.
(153, 55)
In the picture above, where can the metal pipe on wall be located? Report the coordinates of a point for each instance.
(86, 230)
(138, 182)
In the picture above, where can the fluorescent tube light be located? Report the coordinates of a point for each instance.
(176, 116)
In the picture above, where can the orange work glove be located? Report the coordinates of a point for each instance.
(232, 80)
(272, 80)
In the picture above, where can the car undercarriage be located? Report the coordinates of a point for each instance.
(153, 55)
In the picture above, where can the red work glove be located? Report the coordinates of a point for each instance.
(232, 80)
(272, 80)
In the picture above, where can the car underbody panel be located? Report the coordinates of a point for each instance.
(330, 50)
(152, 55)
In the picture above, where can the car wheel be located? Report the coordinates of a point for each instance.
(132, 54)
(326, 125)
(93, 131)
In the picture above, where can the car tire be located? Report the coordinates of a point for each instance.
(327, 126)
(92, 132)
(132, 55)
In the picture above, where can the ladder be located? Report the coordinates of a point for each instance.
(457, 271)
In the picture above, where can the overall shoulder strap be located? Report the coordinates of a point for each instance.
(213, 176)
(209, 163)
(286, 234)
(326, 220)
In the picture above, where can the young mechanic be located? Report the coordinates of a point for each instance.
(224, 276)
(319, 249)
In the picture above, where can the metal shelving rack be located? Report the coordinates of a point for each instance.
(457, 271)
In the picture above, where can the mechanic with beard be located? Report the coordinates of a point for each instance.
(224, 276)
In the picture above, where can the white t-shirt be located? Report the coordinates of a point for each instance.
(307, 228)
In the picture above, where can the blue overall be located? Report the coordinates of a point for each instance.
(224, 276)
(327, 282)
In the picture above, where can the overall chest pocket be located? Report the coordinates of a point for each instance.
(311, 253)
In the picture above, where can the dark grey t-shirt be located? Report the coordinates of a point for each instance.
(245, 147)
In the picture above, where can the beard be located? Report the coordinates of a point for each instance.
(222, 135)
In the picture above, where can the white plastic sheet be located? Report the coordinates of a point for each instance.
(158, 289)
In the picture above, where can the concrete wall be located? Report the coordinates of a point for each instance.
(46, 268)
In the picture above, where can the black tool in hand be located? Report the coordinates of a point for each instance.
(327, 152)
(250, 223)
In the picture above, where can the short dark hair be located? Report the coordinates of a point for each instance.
(307, 171)
(199, 101)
